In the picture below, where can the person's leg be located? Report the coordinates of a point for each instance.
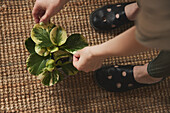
(131, 11)
(160, 66)
(155, 70)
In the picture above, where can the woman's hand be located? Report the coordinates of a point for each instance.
(44, 9)
(90, 58)
(86, 60)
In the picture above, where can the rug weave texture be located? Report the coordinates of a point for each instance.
(22, 92)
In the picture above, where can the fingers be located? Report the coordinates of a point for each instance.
(48, 14)
(44, 10)
(83, 63)
(35, 13)
(42, 14)
(76, 57)
(45, 18)
(79, 62)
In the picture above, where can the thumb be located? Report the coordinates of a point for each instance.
(77, 54)
(46, 17)
(76, 57)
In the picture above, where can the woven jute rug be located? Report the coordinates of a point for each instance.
(22, 92)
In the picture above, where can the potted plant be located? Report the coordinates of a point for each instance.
(51, 52)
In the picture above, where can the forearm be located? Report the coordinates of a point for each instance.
(66, 1)
(122, 45)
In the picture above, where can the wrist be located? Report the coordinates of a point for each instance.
(97, 51)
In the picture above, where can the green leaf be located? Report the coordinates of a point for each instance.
(49, 78)
(42, 51)
(40, 34)
(35, 63)
(74, 42)
(41, 23)
(52, 49)
(61, 54)
(51, 52)
(48, 27)
(50, 64)
(29, 44)
(58, 36)
(69, 69)
(62, 61)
